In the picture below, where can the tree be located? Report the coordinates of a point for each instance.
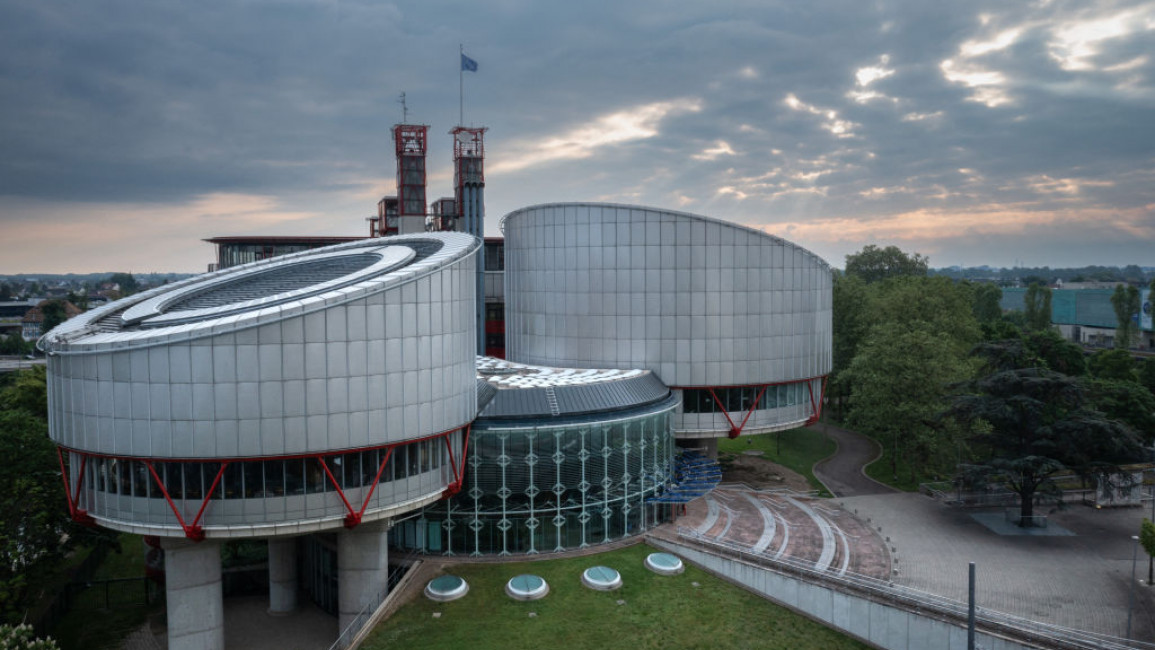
(899, 382)
(850, 323)
(1037, 303)
(1147, 539)
(1055, 352)
(1125, 401)
(14, 344)
(1033, 422)
(54, 314)
(1126, 303)
(873, 264)
(33, 522)
(986, 303)
(938, 304)
(126, 281)
(1113, 364)
(28, 392)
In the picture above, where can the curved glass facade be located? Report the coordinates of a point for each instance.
(536, 487)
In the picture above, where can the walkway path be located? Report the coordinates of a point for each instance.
(842, 473)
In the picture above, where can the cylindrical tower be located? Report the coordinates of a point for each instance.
(737, 320)
(301, 393)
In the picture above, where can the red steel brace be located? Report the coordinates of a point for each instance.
(736, 430)
(194, 531)
(816, 407)
(78, 515)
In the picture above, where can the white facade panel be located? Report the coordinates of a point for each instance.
(313, 366)
(701, 302)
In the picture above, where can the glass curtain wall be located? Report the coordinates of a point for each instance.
(537, 489)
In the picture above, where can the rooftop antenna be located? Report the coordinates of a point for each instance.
(404, 109)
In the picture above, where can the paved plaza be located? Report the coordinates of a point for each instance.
(1080, 580)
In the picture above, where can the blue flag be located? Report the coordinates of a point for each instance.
(468, 64)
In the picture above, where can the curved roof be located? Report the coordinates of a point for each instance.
(261, 292)
(515, 390)
(675, 213)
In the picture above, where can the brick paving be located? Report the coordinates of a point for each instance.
(781, 523)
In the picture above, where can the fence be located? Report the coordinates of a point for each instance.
(92, 595)
(854, 603)
(353, 630)
(46, 618)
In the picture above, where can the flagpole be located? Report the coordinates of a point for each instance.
(461, 83)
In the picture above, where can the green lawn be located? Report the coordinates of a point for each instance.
(658, 612)
(799, 450)
(97, 620)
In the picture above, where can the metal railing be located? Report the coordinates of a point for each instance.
(919, 602)
(354, 628)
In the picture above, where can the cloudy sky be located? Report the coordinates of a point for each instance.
(973, 132)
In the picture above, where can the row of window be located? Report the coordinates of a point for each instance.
(263, 478)
(739, 399)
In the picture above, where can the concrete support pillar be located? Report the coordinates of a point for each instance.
(196, 612)
(710, 447)
(282, 575)
(362, 568)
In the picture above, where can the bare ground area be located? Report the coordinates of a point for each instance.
(760, 473)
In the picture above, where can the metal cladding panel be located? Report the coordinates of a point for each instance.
(600, 397)
(386, 359)
(698, 301)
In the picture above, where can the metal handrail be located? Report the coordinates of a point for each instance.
(920, 601)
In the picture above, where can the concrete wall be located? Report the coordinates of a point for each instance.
(880, 624)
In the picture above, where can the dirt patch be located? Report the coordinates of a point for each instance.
(760, 473)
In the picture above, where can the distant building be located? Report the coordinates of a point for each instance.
(1086, 316)
(34, 318)
(234, 251)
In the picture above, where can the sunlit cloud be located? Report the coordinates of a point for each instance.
(720, 148)
(831, 122)
(635, 123)
(987, 85)
(946, 224)
(1044, 184)
(731, 191)
(870, 74)
(1075, 43)
(1001, 41)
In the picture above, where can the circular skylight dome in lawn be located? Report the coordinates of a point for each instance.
(446, 588)
(526, 587)
(601, 578)
(664, 564)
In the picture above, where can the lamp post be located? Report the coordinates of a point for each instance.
(1131, 600)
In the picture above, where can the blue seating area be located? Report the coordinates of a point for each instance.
(694, 475)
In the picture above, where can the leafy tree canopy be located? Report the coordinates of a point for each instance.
(938, 305)
(1113, 364)
(127, 282)
(1126, 304)
(54, 314)
(873, 264)
(986, 303)
(1033, 422)
(1037, 303)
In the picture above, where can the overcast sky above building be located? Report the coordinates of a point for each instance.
(973, 132)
